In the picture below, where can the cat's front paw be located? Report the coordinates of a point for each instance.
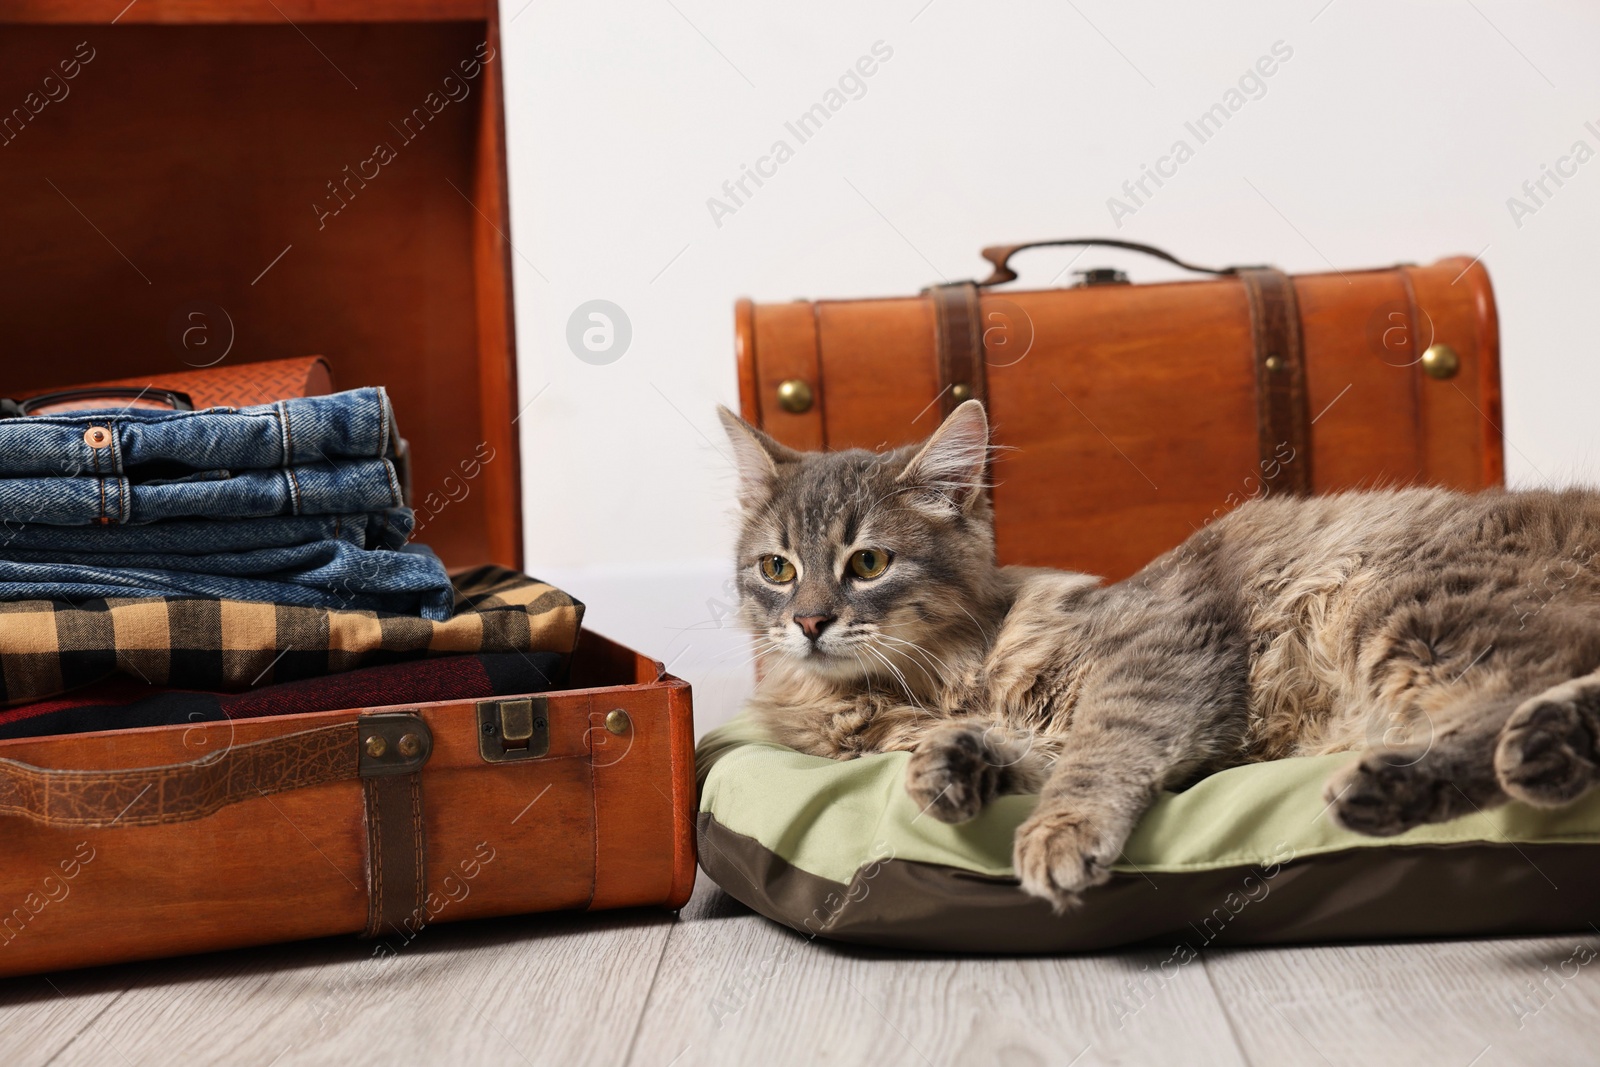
(1059, 852)
(952, 775)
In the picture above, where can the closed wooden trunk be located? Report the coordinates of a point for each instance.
(1131, 415)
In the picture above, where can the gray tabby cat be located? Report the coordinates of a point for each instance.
(1453, 640)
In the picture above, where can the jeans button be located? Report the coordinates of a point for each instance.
(97, 437)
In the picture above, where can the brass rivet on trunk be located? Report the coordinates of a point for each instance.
(794, 395)
(410, 745)
(617, 721)
(1441, 361)
(376, 746)
(962, 392)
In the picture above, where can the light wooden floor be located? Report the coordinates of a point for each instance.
(718, 984)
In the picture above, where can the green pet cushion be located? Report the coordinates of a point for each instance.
(838, 849)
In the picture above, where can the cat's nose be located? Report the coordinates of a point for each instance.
(813, 625)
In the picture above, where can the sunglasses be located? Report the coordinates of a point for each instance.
(96, 399)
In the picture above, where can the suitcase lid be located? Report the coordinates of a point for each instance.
(191, 184)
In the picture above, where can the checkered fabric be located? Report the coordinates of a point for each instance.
(122, 703)
(48, 647)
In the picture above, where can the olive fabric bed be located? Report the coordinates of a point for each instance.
(1246, 856)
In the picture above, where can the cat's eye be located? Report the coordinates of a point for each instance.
(777, 570)
(869, 562)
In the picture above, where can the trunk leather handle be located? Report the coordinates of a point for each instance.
(181, 792)
(1000, 256)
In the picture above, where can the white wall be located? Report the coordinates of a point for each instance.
(1394, 132)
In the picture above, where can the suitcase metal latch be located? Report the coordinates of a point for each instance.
(513, 729)
(1099, 276)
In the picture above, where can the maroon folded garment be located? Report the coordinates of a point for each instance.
(121, 703)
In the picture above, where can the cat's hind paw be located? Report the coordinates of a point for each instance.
(1387, 793)
(1060, 853)
(1547, 753)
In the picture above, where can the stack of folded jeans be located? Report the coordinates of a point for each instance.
(298, 503)
(167, 567)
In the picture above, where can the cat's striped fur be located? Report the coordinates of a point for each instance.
(1453, 640)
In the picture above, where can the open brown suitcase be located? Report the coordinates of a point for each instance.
(207, 158)
(1134, 414)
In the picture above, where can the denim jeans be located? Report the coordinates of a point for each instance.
(379, 529)
(322, 574)
(300, 502)
(355, 485)
(356, 424)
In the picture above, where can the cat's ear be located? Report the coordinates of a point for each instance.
(755, 456)
(954, 461)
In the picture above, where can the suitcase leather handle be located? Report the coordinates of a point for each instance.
(180, 792)
(1000, 256)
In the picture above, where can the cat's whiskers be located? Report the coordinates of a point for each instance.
(987, 638)
(866, 647)
(953, 673)
(866, 673)
(771, 647)
(875, 654)
(933, 680)
(759, 640)
(905, 685)
(753, 660)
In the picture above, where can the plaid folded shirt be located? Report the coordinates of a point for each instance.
(48, 647)
(121, 703)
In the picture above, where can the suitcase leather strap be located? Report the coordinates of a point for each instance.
(386, 751)
(396, 869)
(1283, 424)
(180, 792)
(394, 748)
(958, 344)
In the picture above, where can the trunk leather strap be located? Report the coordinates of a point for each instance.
(1283, 422)
(150, 796)
(396, 855)
(958, 344)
